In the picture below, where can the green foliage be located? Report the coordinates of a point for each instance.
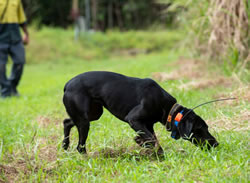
(31, 126)
(48, 12)
(125, 15)
(96, 45)
(209, 34)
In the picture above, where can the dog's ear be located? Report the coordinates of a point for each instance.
(185, 127)
(164, 117)
(164, 120)
(199, 123)
(175, 133)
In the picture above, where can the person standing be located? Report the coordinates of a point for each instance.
(80, 24)
(12, 17)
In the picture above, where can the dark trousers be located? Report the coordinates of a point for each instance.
(17, 53)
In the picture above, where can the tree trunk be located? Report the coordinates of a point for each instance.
(118, 15)
(94, 14)
(110, 14)
(87, 14)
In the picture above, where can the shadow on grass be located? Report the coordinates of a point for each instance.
(128, 154)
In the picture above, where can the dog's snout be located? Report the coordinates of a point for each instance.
(215, 144)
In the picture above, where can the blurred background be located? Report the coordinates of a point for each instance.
(218, 29)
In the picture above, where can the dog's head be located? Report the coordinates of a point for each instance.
(194, 129)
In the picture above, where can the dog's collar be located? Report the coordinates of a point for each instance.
(177, 120)
(178, 117)
(174, 108)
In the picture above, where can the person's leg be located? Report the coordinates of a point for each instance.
(4, 82)
(17, 53)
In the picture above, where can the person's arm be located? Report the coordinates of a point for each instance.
(26, 34)
(23, 23)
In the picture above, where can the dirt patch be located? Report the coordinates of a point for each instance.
(238, 123)
(20, 168)
(240, 120)
(186, 68)
(12, 170)
(9, 173)
(45, 121)
(31, 159)
(133, 152)
(208, 83)
(48, 153)
(110, 152)
(196, 71)
(241, 93)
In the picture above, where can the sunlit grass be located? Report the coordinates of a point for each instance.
(31, 126)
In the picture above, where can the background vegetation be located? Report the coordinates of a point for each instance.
(177, 57)
(105, 14)
(218, 28)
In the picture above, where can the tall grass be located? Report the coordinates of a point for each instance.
(219, 30)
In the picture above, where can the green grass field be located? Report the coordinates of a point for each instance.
(31, 128)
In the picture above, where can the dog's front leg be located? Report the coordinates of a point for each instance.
(157, 144)
(134, 119)
(149, 143)
(145, 138)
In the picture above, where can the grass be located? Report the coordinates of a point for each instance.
(31, 126)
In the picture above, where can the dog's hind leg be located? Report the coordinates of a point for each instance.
(83, 130)
(81, 119)
(67, 124)
(77, 106)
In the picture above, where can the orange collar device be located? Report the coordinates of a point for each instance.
(178, 117)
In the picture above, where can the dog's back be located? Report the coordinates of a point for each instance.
(116, 92)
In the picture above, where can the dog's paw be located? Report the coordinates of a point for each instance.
(139, 140)
(144, 142)
(160, 151)
(65, 144)
(81, 149)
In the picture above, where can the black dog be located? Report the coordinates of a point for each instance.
(139, 102)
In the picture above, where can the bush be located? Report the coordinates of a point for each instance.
(219, 29)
